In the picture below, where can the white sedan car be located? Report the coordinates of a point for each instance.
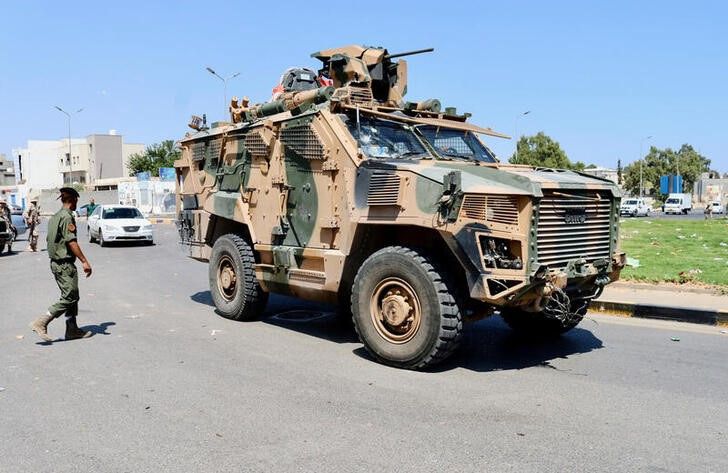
(119, 223)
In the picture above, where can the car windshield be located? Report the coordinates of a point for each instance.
(630, 202)
(672, 201)
(456, 143)
(384, 139)
(121, 212)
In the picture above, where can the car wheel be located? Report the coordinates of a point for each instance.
(234, 288)
(403, 310)
(102, 242)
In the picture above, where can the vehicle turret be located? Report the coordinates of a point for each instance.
(368, 68)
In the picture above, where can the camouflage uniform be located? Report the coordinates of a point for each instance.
(61, 231)
(32, 218)
(6, 215)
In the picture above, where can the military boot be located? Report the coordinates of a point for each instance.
(73, 332)
(40, 326)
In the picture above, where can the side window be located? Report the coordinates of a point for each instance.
(97, 212)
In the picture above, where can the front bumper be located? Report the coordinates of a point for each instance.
(121, 235)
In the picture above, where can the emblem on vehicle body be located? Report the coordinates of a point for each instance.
(574, 215)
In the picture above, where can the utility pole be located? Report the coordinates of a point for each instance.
(224, 84)
(70, 158)
(641, 143)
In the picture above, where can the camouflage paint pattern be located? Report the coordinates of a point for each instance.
(292, 177)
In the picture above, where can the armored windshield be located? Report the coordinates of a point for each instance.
(456, 143)
(383, 139)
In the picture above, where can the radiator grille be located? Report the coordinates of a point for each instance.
(572, 226)
(360, 95)
(491, 208)
(383, 189)
(255, 144)
(304, 141)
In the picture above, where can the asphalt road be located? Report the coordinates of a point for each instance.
(167, 385)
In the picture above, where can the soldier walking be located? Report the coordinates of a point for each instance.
(63, 249)
(32, 219)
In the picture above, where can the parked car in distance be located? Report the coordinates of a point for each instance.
(16, 215)
(717, 208)
(119, 223)
(634, 208)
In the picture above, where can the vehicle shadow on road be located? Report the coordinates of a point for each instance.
(490, 345)
(310, 318)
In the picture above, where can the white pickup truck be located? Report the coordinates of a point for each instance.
(634, 208)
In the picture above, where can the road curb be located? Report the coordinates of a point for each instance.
(163, 220)
(677, 314)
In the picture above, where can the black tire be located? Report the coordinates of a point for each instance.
(102, 242)
(91, 238)
(425, 325)
(536, 324)
(235, 290)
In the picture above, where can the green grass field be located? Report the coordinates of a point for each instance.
(667, 247)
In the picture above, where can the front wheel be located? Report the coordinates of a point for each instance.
(102, 242)
(234, 288)
(403, 310)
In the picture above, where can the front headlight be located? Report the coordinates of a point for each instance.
(147, 227)
(110, 228)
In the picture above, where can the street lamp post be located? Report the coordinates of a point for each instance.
(70, 158)
(517, 117)
(224, 83)
(642, 141)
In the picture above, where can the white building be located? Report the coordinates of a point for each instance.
(47, 164)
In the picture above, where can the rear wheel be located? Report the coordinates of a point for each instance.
(234, 288)
(403, 311)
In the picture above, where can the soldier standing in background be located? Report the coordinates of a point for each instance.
(63, 249)
(32, 219)
(6, 214)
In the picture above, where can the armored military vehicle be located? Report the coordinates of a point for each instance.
(395, 210)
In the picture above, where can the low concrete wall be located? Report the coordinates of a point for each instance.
(49, 203)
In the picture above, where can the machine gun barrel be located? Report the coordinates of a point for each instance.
(409, 53)
(290, 101)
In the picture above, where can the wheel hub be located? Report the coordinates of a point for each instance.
(395, 310)
(226, 278)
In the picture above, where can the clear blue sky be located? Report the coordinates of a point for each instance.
(597, 78)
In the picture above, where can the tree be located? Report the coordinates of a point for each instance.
(158, 155)
(661, 162)
(542, 151)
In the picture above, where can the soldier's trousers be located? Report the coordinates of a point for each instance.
(33, 237)
(67, 280)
